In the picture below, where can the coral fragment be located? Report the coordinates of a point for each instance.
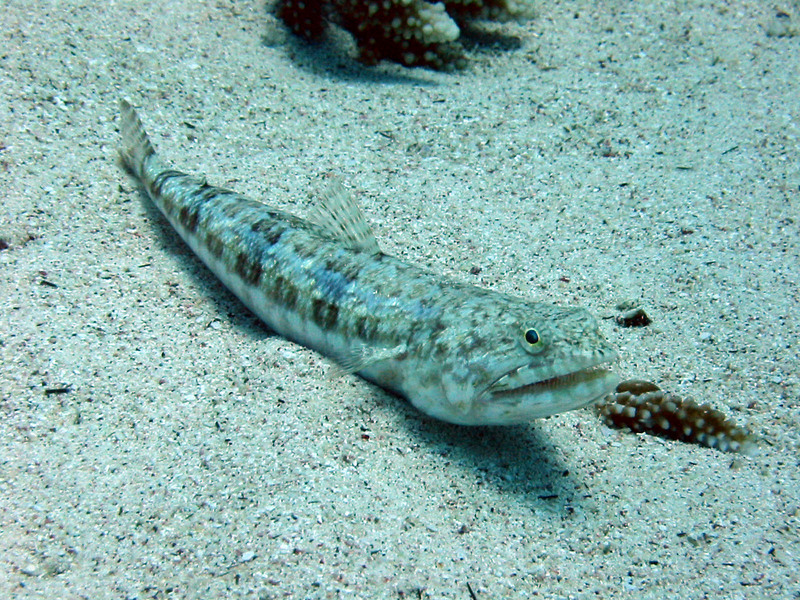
(409, 32)
(642, 407)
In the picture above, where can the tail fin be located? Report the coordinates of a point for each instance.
(136, 146)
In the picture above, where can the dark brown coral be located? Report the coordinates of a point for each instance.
(409, 32)
(641, 406)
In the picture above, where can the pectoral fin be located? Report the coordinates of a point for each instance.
(361, 357)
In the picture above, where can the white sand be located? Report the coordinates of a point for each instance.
(645, 151)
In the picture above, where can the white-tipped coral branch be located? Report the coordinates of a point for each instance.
(409, 32)
(642, 407)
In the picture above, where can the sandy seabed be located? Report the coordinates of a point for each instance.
(158, 442)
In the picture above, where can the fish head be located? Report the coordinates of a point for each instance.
(508, 361)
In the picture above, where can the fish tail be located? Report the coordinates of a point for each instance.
(136, 147)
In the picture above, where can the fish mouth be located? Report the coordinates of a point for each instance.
(535, 390)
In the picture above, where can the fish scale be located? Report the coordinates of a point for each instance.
(457, 352)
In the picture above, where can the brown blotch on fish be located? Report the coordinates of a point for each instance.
(208, 193)
(188, 217)
(324, 313)
(304, 252)
(214, 245)
(162, 178)
(348, 272)
(271, 230)
(248, 270)
(283, 290)
(366, 326)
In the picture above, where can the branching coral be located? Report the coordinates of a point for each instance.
(641, 406)
(410, 32)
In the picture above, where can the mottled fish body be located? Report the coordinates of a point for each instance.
(457, 352)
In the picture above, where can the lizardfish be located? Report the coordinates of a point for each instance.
(457, 352)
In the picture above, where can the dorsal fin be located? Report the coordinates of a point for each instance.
(340, 217)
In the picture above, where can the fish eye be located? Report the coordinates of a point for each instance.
(532, 341)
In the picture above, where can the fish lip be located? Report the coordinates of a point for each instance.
(560, 373)
(542, 388)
